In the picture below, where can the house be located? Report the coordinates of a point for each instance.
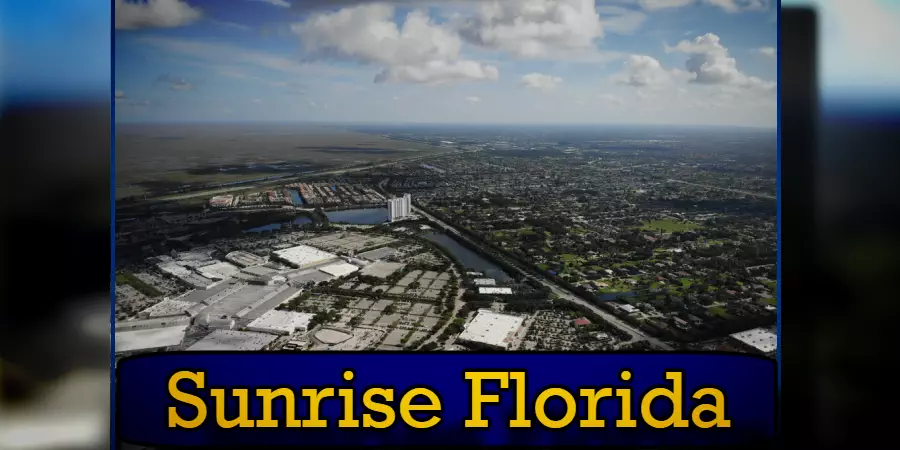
(581, 322)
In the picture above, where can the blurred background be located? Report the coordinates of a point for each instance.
(55, 133)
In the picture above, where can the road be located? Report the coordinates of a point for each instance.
(716, 188)
(636, 335)
(457, 305)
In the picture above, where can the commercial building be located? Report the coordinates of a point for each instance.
(761, 340)
(399, 208)
(218, 271)
(245, 259)
(133, 340)
(495, 290)
(382, 269)
(167, 307)
(221, 201)
(339, 269)
(492, 329)
(281, 322)
(149, 324)
(304, 256)
(484, 282)
(225, 340)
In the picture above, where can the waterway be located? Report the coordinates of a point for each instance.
(471, 260)
(362, 216)
(277, 226)
(295, 196)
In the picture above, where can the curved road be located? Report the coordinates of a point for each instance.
(636, 335)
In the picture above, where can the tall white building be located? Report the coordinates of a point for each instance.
(400, 207)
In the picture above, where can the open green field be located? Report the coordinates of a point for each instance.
(719, 311)
(669, 226)
(135, 282)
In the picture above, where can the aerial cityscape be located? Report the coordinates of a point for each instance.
(618, 202)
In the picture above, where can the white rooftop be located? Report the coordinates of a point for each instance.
(495, 290)
(492, 328)
(218, 270)
(304, 255)
(484, 282)
(382, 269)
(761, 339)
(148, 339)
(339, 269)
(281, 322)
(629, 308)
(223, 340)
(170, 307)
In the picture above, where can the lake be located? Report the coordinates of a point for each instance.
(362, 216)
(295, 196)
(471, 260)
(277, 226)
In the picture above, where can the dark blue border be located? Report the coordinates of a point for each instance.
(778, 302)
(112, 226)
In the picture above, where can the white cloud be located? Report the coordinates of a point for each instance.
(540, 81)
(619, 20)
(418, 51)
(233, 25)
(710, 63)
(279, 3)
(473, 99)
(731, 6)
(132, 15)
(642, 71)
(653, 5)
(535, 28)
(767, 51)
(736, 6)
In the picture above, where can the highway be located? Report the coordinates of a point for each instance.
(716, 188)
(636, 335)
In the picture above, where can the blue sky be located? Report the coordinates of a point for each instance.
(693, 62)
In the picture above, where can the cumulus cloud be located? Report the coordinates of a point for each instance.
(133, 15)
(534, 28)
(767, 51)
(473, 99)
(710, 63)
(731, 6)
(540, 81)
(279, 3)
(642, 71)
(418, 51)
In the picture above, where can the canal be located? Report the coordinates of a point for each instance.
(471, 260)
(361, 216)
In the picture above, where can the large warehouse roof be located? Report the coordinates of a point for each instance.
(218, 270)
(170, 307)
(339, 269)
(382, 269)
(304, 255)
(281, 322)
(490, 328)
(495, 290)
(149, 339)
(223, 340)
(761, 339)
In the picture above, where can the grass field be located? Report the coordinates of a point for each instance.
(135, 282)
(719, 311)
(669, 226)
(165, 156)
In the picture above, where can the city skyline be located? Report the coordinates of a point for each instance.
(541, 61)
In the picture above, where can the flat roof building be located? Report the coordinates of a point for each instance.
(484, 282)
(224, 340)
(762, 340)
(165, 308)
(303, 256)
(149, 338)
(382, 269)
(245, 259)
(281, 322)
(218, 271)
(340, 269)
(492, 329)
(495, 290)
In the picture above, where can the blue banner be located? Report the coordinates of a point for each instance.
(375, 399)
